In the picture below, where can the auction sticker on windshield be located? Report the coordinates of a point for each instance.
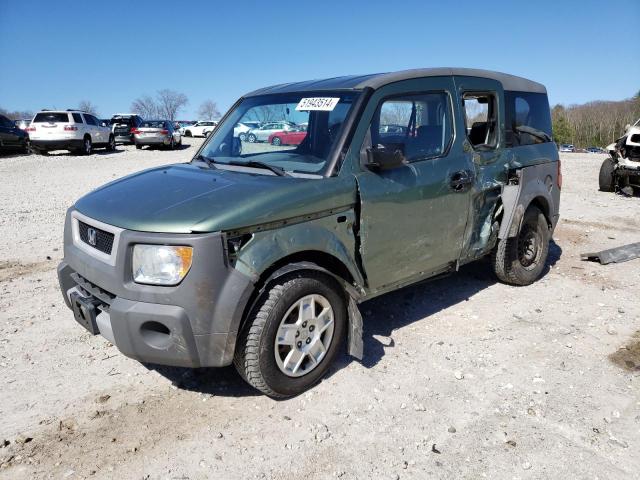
(325, 104)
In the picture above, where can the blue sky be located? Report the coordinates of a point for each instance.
(57, 53)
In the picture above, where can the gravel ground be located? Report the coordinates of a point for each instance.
(462, 377)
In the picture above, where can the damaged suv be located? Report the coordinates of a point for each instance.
(622, 168)
(258, 254)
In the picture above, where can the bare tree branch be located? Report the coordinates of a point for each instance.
(208, 110)
(87, 106)
(170, 103)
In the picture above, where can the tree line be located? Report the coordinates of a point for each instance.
(595, 123)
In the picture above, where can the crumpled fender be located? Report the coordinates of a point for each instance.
(536, 181)
(354, 332)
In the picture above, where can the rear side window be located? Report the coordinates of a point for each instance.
(528, 118)
(77, 118)
(51, 117)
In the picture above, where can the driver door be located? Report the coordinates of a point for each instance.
(413, 217)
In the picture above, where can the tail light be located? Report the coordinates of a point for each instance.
(70, 128)
(164, 132)
(135, 131)
(559, 174)
(30, 129)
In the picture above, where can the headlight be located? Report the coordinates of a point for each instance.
(160, 264)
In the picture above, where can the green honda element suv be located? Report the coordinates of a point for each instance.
(258, 254)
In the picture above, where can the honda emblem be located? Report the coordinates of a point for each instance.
(91, 236)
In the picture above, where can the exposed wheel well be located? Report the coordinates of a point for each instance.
(543, 205)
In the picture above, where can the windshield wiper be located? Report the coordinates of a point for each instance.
(254, 163)
(208, 160)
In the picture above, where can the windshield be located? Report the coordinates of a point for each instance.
(295, 132)
(154, 124)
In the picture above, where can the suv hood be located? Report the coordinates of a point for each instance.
(187, 198)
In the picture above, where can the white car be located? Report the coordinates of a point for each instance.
(73, 130)
(241, 129)
(262, 134)
(198, 129)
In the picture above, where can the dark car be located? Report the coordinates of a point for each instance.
(11, 136)
(123, 126)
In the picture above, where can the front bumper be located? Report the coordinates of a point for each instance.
(193, 324)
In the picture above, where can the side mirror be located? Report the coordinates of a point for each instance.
(104, 124)
(383, 159)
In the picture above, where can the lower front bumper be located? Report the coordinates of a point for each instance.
(149, 332)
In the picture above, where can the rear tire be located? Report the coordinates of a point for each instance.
(87, 146)
(320, 332)
(187, 133)
(138, 147)
(111, 146)
(251, 138)
(276, 141)
(521, 259)
(607, 177)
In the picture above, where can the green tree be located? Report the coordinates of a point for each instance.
(561, 129)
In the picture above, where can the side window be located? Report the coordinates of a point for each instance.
(481, 119)
(528, 118)
(77, 118)
(90, 120)
(418, 125)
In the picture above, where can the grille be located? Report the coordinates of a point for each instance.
(103, 240)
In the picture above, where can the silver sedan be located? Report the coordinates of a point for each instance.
(161, 133)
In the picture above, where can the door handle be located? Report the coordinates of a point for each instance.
(460, 181)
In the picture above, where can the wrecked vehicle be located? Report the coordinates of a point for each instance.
(622, 169)
(258, 254)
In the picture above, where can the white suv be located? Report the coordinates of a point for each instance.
(198, 129)
(71, 130)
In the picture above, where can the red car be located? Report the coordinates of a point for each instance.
(292, 137)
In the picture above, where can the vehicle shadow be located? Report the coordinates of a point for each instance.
(62, 153)
(381, 316)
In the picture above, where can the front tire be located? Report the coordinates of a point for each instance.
(138, 147)
(292, 335)
(520, 260)
(187, 133)
(607, 178)
(276, 141)
(251, 138)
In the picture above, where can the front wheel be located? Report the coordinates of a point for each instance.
(293, 334)
(521, 259)
(276, 141)
(138, 147)
(251, 138)
(607, 176)
(188, 133)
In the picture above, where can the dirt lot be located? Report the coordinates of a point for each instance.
(462, 378)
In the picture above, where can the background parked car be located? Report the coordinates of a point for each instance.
(198, 128)
(72, 130)
(160, 133)
(566, 147)
(23, 123)
(11, 136)
(242, 128)
(263, 133)
(123, 124)
(288, 137)
(595, 150)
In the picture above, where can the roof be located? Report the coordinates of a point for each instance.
(377, 80)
